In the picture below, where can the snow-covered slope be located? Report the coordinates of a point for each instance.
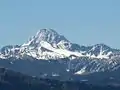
(48, 44)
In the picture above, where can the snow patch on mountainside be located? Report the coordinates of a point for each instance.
(82, 71)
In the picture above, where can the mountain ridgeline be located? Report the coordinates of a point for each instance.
(48, 44)
(50, 55)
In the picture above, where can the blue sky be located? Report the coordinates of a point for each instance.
(85, 22)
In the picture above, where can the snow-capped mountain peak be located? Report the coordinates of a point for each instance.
(48, 35)
(48, 44)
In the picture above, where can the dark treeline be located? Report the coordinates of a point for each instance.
(10, 80)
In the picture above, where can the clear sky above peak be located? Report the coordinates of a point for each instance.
(85, 22)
